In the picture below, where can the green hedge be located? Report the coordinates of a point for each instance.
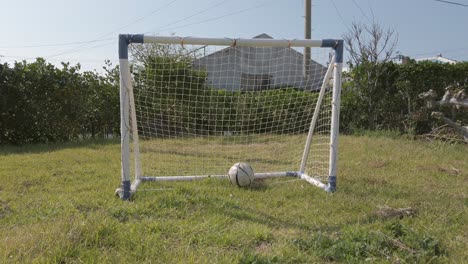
(168, 106)
(276, 111)
(42, 103)
(396, 103)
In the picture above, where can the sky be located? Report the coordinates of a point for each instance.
(86, 31)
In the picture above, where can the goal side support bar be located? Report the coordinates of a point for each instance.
(326, 79)
(335, 65)
(335, 118)
(127, 110)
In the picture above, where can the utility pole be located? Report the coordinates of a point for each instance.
(308, 35)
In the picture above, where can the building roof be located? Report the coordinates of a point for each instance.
(263, 36)
(439, 58)
(288, 74)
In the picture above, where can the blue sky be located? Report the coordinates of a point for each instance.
(425, 27)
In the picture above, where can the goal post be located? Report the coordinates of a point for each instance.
(192, 107)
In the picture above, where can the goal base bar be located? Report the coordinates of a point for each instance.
(258, 176)
(125, 194)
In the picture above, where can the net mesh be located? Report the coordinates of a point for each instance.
(200, 109)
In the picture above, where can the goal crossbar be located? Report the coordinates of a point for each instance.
(280, 43)
(129, 129)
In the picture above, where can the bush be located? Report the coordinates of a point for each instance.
(42, 103)
(396, 105)
(167, 106)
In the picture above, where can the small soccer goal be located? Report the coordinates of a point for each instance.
(195, 108)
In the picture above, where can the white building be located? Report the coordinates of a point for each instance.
(259, 68)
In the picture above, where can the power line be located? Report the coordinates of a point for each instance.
(53, 45)
(452, 3)
(141, 18)
(17, 57)
(339, 14)
(50, 59)
(57, 60)
(362, 11)
(98, 39)
(216, 18)
(186, 25)
(188, 17)
(137, 20)
(113, 31)
(79, 49)
(93, 47)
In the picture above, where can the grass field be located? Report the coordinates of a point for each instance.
(57, 206)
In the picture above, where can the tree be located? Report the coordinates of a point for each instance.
(165, 81)
(370, 49)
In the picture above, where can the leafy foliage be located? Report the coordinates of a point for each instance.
(43, 103)
(395, 103)
(197, 108)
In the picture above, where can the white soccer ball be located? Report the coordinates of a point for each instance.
(241, 174)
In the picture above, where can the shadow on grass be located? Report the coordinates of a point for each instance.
(275, 222)
(56, 146)
(258, 185)
(236, 211)
(194, 153)
(240, 212)
(185, 198)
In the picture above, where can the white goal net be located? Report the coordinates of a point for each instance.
(196, 109)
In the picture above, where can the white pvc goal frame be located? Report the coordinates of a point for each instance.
(130, 141)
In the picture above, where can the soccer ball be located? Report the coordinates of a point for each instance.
(241, 174)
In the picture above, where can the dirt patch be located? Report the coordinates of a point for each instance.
(30, 183)
(4, 210)
(373, 181)
(378, 164)
(262, 247)
(450, 170)
(388, 212)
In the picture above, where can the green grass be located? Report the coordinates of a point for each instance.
(57, 206)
